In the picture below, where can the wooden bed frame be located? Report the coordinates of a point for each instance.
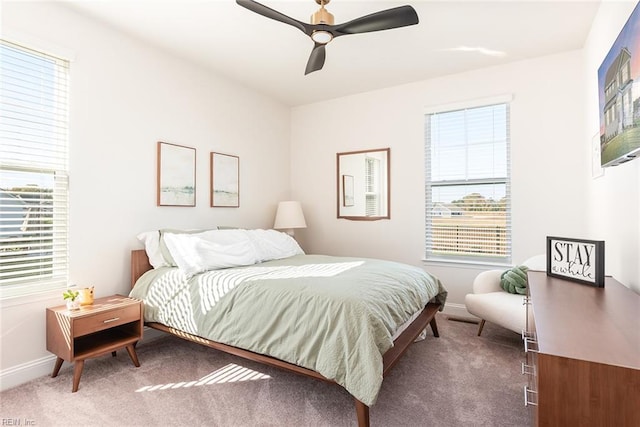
(140, 265)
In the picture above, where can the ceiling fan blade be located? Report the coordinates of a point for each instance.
(396, 17)
(316, 59)
(263, 10)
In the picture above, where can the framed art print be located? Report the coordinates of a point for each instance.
(225, 180)
(176, 175)
(619, 100)
(576, 260)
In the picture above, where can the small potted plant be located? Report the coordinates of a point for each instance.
(71, 296)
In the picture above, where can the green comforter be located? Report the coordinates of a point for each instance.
(335, 316)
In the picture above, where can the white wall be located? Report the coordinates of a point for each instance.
(614, 198)
(126, 96)
(549, 162)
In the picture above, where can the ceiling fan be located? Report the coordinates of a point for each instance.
(322, 30)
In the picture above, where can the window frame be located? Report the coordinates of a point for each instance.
(56, 166)
(429, 254)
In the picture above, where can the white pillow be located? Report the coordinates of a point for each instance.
(195, 253)
(216, 249)
(151, 241)
(153, 246)
(164, 250)
(272, 244)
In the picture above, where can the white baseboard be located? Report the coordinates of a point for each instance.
(25, 372)
(457, 310)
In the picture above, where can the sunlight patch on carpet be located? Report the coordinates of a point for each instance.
(230, 373)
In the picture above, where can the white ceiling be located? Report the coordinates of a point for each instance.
(270, 56)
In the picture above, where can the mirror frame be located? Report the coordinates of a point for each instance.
(388, 183)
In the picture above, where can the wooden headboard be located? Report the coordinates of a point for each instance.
(139, 264)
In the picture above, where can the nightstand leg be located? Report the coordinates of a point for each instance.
(77, 372)
(57, 367)
(132, 354)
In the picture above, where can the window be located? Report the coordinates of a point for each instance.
(467, 184)
(33, 170)
(372, 186)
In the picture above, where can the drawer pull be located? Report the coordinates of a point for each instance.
(527, 342)
(528, 369)
(526, 334)
(111, 320)
(526, 397)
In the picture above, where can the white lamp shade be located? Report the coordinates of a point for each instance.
(289, 215)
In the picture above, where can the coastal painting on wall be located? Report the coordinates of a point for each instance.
(225, 180)
(618, 82)
(176, 175)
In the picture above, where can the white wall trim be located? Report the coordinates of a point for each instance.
(25, 372)
(36, 43)
(457, 310)
(472, 103)
(17, 299)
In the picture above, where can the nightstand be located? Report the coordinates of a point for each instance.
(109, 324)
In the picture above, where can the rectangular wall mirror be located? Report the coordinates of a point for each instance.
(363, 184)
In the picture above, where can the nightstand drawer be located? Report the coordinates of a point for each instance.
(108, 319)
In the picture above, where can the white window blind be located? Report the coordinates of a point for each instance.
(33, 170)
(468, 209)
(372, 186)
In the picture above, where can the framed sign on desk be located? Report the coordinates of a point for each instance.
(576, 260)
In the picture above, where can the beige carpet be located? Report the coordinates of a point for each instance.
(458, 379)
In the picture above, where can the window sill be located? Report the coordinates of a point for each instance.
(476, 265)
(12, 300)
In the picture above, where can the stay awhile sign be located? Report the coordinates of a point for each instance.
(577, 260)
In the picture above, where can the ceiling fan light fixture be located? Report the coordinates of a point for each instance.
(322, 29)
(321, 36)
(322, 16)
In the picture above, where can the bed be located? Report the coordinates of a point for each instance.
(255, 294)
